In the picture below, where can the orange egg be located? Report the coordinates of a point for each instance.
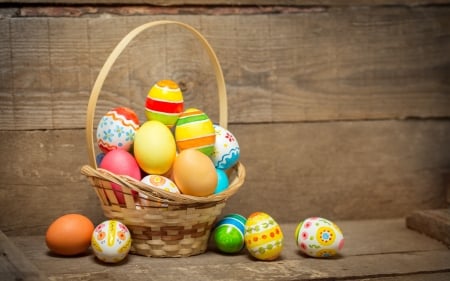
(194, 173)
(69, 235)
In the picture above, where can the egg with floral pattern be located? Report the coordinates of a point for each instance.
(226, 149)
(116, 129)
(318, 237)
(263, 237)
(111, 241)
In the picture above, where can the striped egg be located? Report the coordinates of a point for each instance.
(229, 233)
(164, 102)
(195, 130)
(263, 237)
(116, 129)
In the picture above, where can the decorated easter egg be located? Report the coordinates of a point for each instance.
(116, 129)
(194, 129)
(319, 237)
(229, 233)
(164, 102)
(263, 236)
(226, 148)
(121, 162)
(194, 173)
(222, 181)
(111, 241)
(154, 148)
(161, 182)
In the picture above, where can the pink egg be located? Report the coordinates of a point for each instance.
(121, 162)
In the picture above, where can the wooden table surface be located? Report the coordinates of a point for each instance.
(374, 250)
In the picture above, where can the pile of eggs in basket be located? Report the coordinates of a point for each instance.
(175, 149)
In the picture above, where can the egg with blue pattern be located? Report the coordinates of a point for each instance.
(226, 149)
(116, 129)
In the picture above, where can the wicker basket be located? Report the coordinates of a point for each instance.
(162, 224)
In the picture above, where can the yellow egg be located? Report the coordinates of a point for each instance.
(154, 147)
(194, 173)
(263, 236)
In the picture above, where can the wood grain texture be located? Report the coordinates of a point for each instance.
(339, 170)
(338, 64)
(240, 2)
(14, 265)
(374, 249)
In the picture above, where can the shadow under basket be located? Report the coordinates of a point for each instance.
(162, 224)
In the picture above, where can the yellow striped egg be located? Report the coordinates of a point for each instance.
(195, 130)
(263, 237)
(164, 102)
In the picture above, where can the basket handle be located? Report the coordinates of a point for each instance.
(223, 114)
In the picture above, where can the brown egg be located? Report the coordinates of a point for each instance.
(69, 235)
(194, 173)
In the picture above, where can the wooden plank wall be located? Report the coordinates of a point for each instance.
(341, 110)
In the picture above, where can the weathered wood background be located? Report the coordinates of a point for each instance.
(341, 108)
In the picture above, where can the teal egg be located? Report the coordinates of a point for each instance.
(222, 181)
(229, 233)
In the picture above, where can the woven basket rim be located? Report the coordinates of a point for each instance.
(156, 194)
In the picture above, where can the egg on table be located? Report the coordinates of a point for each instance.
(69, 235)
(116, 129)
(226, 148)
(164, 102)
(111, 241)
(319, 237)
(263, 237)
(195, 130)
(229, 233)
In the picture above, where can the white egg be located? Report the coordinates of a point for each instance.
(226, 149)
(319, 237)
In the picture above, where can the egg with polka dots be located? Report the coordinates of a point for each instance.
(263, 237)
(319, 237)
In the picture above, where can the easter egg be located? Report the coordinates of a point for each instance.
(121, 162)
(111, 241)
(229, 233)
(194, 173)
(319, 237)
(263, 237)
(116, 129)
(69, 235)
(164, 102)
(160, 182)
(222, 181)
(226, 149)
(154, 148)
(194, 129)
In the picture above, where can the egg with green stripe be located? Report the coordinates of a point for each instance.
(195, 130)
(164, 103)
